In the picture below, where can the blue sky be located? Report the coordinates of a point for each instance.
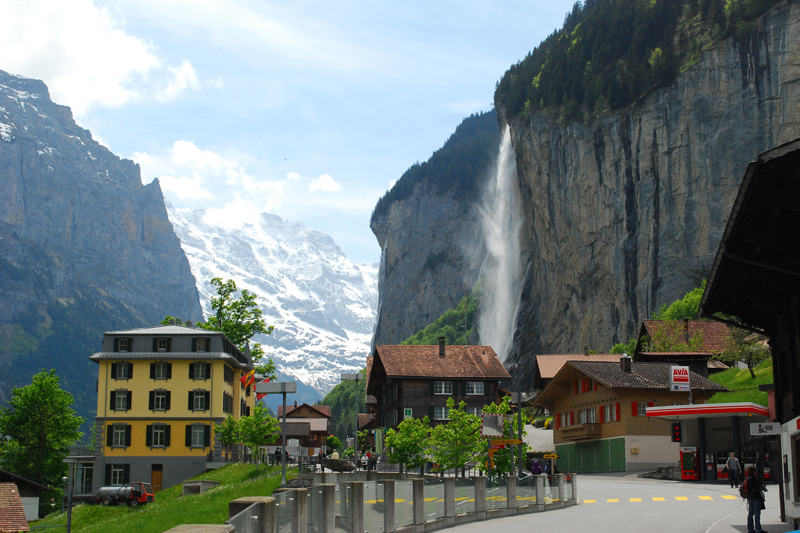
(307, 109)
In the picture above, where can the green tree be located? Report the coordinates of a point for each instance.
(459, 440)
(333, 442)
(258, 429)
(39, 427)
(240, 319)
(628, 347)
(686, 307)
(750, 348)
(408, 444)
(504, 459)
(344, 399)
(669, 336)
(228, 433)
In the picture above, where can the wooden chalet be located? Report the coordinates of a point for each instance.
(416, 381)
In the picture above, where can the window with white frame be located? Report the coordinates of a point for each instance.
(198, 436)
(121, 400)
(441, 413)
(475, 388)
(610, 413)
(641, 408)
(200, 371)
(159, 434)
(199, 400)
(582, 416)
(443, 387)
(591, 416)
(162, 345)
(117, 474)
(123, 345)
(122, 370)
(161, 370)
(474, 411)
(119, 437)
(201, 344)
(160, 400)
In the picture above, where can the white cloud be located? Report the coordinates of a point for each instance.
(183, 77)
(85, 55)
(324, 183)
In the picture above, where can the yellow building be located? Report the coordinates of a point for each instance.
(160, 391)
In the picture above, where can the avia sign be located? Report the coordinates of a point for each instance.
(679, 378)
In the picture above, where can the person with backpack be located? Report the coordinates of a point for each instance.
(752, 490)
(733, 469)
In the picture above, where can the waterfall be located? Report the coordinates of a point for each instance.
(501, 222)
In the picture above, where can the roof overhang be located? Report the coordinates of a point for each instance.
(708, 410)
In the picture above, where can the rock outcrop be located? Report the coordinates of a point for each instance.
(625, 212)
(84, 246)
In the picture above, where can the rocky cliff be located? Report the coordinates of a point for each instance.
(625, 212)
(84, 246)
(428, 231)
(622, 213)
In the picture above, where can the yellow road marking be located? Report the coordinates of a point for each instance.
(682, 498)
(589, 501)
(635, 499)
(613, 500)
(659, 499)
(729, 497)
(706, 497)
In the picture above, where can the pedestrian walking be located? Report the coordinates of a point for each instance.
(733, 466)
(753, 489)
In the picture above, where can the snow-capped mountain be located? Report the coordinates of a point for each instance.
(323, 306)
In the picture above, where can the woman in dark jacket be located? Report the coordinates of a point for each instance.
(755, 501)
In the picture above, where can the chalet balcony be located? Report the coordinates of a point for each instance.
(581, 432)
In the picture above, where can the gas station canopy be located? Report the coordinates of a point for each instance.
(704, 410)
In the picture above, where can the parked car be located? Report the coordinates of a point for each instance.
(132, 494)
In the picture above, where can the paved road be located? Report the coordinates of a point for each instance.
(625, 503)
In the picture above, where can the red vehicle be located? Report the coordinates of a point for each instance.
(132, 494)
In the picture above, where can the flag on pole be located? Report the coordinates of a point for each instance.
(260, 395)
(248, 379)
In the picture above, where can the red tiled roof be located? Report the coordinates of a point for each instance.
(466, 362)
(550, 364)
(716, 335)
(12, 514)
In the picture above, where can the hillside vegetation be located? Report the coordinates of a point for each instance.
(742, 387)
(171, 509)
(612, 52)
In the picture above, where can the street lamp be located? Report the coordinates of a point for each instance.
(281, 387)
(354, 377)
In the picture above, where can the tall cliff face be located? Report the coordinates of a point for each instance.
(625, 212)
(428, 230)
(84, 246)
(622, 213)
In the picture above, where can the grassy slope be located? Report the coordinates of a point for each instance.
(170, 509)
(742, 387)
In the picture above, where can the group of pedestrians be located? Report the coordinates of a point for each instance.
(752, 489)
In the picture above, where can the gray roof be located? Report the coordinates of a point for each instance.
(641, 376)
(164, 330)
(168, 356)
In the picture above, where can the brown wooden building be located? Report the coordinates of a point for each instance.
(416, 381)
(599, 412)
(311, 424)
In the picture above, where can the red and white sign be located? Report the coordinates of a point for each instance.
(680, 378)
